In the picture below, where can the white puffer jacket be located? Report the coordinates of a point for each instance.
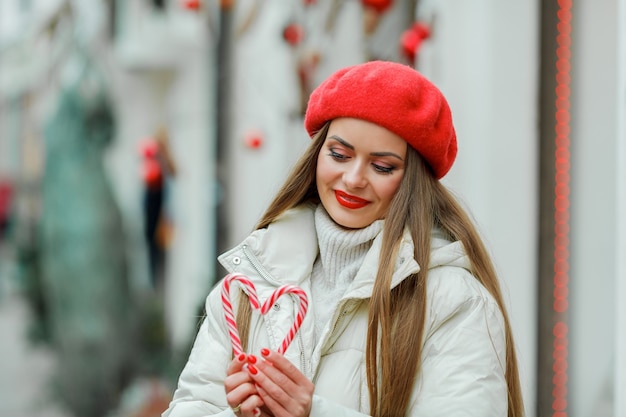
(463, 357)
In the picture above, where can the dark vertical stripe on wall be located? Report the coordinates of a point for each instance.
(223, 109)
(112, 19)
(554, 200)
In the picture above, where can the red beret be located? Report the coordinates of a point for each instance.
(394, 96)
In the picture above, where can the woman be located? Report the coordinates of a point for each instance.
(406, 317)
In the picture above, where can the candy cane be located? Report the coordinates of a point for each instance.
(304, 305)
(228, 307)
(264, 309)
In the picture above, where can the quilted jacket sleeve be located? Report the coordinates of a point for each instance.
(200, 390)
(464, 357)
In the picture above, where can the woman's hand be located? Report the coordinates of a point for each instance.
(241, 393)
(284, 390)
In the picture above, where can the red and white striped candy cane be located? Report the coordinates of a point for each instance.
(228, 307)
(267, 305)
(304, 305)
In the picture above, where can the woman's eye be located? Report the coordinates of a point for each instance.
(383, 169)
(337, 156)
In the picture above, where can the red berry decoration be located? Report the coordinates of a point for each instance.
(412, 39)
(379, 5)
(253, 139)
(192, 4)
(293, 33)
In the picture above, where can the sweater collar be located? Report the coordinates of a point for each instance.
(342, 250)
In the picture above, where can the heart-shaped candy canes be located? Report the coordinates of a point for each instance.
(267, 305)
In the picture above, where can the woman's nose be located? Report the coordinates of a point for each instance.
(354, 176)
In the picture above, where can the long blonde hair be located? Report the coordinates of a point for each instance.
(397, 316)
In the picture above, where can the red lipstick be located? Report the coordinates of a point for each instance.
(350, 201)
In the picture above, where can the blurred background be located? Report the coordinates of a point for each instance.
(141, 138)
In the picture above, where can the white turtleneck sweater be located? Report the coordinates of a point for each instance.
(341, 253)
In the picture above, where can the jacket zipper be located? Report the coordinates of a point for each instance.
(343, 311)
(257, 266)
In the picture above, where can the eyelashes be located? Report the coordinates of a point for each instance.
(385, 170)
(337, 156)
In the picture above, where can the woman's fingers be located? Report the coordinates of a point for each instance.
(277, 408)
(241, 393)
(236, 364)
(287, 368)
(282, 387)
(235, 374)
(250, 407)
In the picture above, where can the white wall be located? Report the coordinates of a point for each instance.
(620, 230)
(487, 65)
(593, 207)
(264, 87)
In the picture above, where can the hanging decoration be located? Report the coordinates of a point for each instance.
(226, 4)
(307, 66)
(380, 6)
(157, 165)
(293, 34)
(151, 171)
(6, 203)
(193, 5)
(412, 39)
(253, 139)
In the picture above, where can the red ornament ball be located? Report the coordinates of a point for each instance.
(379, 5)
(192, 4)
(254, 139)
(293, 33)
(412, 39)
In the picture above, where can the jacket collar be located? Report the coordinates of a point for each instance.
(285, 251)
(287, 248)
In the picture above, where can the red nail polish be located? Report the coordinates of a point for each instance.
(241, 357)
(257, 412)
(265, 352)
(252, 369)
(251, 359)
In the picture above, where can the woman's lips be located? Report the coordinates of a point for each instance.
(350, 201)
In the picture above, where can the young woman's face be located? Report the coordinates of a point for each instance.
(359, 170)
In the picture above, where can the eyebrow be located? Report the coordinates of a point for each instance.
(348, 145)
